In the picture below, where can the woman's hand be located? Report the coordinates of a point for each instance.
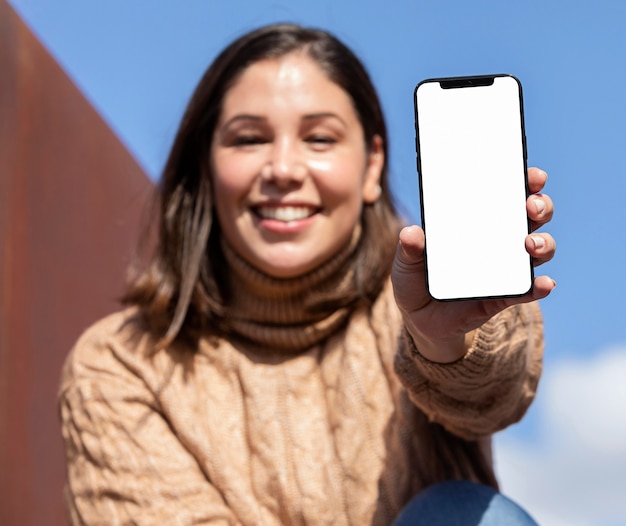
(443, 331)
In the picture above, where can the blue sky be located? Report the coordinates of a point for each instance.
(138, 61)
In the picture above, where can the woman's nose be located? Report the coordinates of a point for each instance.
(285, 165)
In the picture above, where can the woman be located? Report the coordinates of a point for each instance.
(264, 371)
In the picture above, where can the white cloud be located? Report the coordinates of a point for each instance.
(575, 473)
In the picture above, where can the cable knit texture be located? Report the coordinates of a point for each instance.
(314, 419)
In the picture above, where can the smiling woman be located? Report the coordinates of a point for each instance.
(259, 139)
(280, 361)
(293, 178)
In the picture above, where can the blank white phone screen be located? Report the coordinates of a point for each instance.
(473, 189)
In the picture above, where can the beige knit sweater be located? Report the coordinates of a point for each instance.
(322, 419)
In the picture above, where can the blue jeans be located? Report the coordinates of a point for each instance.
(462, 503)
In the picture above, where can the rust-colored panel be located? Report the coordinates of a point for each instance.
(70, 202)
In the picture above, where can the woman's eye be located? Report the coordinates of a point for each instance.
(248, 140)
(321, 141)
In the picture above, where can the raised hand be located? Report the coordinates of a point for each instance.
(443, 331)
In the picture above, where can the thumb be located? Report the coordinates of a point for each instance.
(407, 274)
(410, 250)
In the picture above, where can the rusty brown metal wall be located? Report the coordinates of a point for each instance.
(70, 201)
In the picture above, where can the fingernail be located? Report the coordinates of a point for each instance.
(538, 241)
(540, 206)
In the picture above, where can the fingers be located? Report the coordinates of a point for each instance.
(542, 287)
(536, 180)
(540, 210)
(541, 247)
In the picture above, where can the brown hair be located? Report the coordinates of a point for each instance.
(183, 288)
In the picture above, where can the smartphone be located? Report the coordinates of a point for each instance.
(471, 161)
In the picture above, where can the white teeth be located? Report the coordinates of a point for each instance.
(284, 213)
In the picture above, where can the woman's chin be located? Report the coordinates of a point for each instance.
(286, 271)
(286, 264)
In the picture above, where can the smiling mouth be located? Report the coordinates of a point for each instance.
(285, 213)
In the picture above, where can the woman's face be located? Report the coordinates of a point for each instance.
(291, 167)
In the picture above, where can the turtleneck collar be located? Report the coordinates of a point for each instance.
(276, 313)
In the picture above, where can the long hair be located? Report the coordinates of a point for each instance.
(182, 290)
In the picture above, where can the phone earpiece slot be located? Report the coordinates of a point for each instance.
(466, 82)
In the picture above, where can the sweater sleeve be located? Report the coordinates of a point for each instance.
(124, 463)
(489, 388)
